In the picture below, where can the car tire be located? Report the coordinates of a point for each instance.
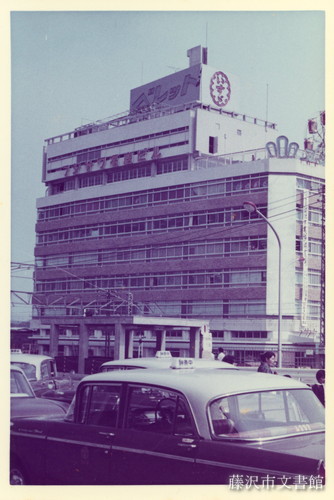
(17, 475)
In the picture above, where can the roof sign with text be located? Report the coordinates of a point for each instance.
(197, 83)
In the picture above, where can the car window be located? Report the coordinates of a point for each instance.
(99, 405)
(158, 410)
(19, 385)
(183, 422)
(29, 370)
(44, 370)
(266, 414)
(53, 368)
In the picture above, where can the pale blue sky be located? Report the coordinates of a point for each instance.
(69, 68)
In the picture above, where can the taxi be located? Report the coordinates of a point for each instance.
(176, 426)
(163, 359)
(24, 402)
(41, 371)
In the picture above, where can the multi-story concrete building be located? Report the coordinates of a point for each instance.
(144, 216)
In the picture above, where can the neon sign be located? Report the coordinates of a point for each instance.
(282, 148)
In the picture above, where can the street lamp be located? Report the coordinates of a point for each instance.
(251, 207)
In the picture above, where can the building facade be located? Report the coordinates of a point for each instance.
(144, 215)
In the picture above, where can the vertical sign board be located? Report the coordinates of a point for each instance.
(305, 259)
(206, 341)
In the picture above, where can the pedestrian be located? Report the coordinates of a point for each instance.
(228, 359)
(319, 388)
(267, 362)
(221, 354)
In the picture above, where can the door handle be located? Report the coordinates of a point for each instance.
(107, 434)
(187, 445)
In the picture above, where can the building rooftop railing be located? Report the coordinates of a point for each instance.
(250, 155)
(127, 118)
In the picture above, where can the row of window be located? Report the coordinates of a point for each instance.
(249, 335)
(95, 153)
(124, 172)
(60, 187)
(315, 247)
(172, 194)
(206, 309)
(315, 215)
(181, 280)
(128, 173)
(188, 250)
(205, 219)
(169, 166)
(313, 309)
(110, 332)
(310, 184)
(226, 308)
(314, 277)
(97, 179)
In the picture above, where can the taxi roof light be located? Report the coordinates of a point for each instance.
(163, 354)
(181, 363)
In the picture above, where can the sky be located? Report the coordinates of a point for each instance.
(69, 68)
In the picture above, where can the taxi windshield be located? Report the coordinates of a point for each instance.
(266, 415)
(19, 386)
(29, 370)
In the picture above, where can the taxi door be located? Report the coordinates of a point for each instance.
(157, 443)
(81, 451)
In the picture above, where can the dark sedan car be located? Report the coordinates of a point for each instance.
(176, 426)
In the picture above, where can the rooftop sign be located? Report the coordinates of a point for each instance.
(196, 83)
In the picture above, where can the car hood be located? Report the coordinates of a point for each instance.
(35, 407)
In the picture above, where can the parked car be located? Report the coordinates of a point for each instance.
(181, 426)
(163, 359)
(23, 401)
(41, 371)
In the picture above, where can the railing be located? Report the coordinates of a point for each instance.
(249, 155)
(127, 118)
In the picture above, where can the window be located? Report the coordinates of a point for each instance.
(213, 144)
(44, 370)
(29, 370)
(315, 216)
(249, 335)
(298, 245)
(100, 405)
(19, 384)
(315, 247)
(267, 414)
(218, 334)
(158, 410)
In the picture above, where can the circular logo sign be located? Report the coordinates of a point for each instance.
(220, 89)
